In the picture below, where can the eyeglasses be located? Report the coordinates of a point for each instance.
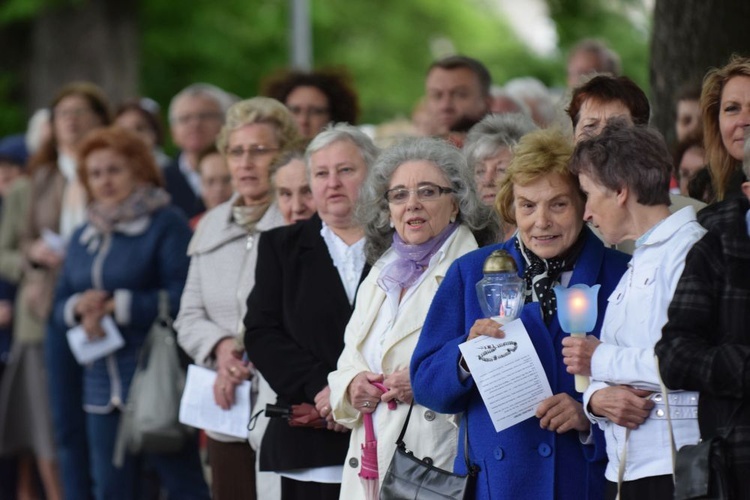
(253, 152)
(425, 192)
(199, 117)
(309, 111)
(72, 112)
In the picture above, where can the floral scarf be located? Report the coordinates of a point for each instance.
(412, 260)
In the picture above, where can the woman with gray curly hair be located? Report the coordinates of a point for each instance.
(489, 150)
(419, 208)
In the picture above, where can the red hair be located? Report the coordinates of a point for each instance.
(140, 160)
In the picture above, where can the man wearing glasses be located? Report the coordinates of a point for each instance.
(196, 115)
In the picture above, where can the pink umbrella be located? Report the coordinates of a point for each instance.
(368, 471)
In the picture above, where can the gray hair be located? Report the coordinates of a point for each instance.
(493, 133)
(372, 209)
(498, 92)
(222, 98)
(625, 155)
(534, 93)
(336, 132)
(608, 59)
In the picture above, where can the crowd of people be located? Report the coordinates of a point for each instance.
(336, 269)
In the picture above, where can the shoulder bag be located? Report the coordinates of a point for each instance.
(411, 478)
(701, 471)
(150, 422)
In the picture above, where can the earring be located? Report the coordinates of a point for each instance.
(392, 224)
(453, 219)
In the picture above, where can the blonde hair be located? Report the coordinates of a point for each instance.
(258, 110)
(538, 153)
(720, 163)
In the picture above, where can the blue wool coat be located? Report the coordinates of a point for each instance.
(152, 256)
(523, 461)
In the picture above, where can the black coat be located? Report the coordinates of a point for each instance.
(297, 314)
(705, 344)
(178, 187)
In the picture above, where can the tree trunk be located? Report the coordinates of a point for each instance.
(688, 38)
(94, 40)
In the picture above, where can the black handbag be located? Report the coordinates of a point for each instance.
(411, 478)
(700, 471)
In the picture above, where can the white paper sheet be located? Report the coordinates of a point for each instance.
(54, 241)
(198, 408)
(87, 351)
(508, 374)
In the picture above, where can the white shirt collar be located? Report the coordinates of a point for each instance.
(348, 259)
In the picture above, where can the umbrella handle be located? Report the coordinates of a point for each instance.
(392, 403)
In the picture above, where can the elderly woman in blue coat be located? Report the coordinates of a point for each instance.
(132, 247)
(556, 454)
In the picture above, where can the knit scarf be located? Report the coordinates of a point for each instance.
(542, 275)
(247, 216)
(412, 260)
(144, 200)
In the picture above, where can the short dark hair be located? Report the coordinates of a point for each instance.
(624, 155)
(604, 88)
(473, 65)
(689, 91)
(694, 140)
(335, 83)
(149, 110)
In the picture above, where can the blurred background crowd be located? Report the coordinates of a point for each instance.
(110, 198)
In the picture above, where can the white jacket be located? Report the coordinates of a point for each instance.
(636, 314)
(429, 433)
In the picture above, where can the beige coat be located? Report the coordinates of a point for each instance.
(429, 434)
(213, 304)
(221, 276)
(32, 206)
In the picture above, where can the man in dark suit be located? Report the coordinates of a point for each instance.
(306, 279)
(196, 115)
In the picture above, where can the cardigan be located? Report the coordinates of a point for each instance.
(523, 461)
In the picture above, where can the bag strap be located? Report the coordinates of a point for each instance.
(665, 393)
(164, 307)
(400, 440)
(470, 469)
(621, 468)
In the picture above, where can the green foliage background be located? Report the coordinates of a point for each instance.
(386, 44)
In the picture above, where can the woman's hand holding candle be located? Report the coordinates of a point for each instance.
(577, 353)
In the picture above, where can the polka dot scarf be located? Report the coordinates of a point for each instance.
(542, 275)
